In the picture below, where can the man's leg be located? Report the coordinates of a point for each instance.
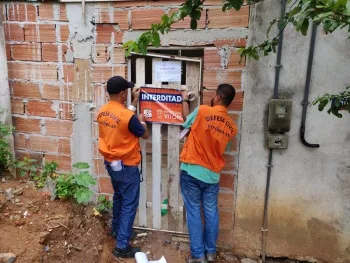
(117, 200)
(130, 191)
(191, 192)
(211, 217)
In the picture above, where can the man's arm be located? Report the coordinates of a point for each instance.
(138, 128)
(185, 105)
(142, 120)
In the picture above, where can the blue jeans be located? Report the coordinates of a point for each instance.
(197, 194)
(126, 186)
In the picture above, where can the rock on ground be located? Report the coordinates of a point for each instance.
(247, 260)
(7, 257)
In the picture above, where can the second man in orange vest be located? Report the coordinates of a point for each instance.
(211, 131)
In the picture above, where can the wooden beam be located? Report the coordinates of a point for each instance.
(140, 80)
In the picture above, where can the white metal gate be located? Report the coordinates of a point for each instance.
(161, 166)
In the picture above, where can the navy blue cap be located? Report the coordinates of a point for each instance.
(117, 84)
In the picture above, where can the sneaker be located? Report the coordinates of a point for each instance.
(211, 257)
(196, 260)
(129, 252)
(114, 234)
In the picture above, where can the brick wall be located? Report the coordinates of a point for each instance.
(43, 75)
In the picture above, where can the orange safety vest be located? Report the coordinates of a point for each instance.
(210, 134)
(116, 142)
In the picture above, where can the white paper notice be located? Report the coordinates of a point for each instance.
(168, 71)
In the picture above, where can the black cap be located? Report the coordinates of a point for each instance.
(117, 84)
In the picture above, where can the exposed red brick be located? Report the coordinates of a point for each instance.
(237, 104)
(66, 110)
(22, 12)
(100, 168)
(226, 219)
(8, 51)
(27, 125)
(234, 144)
(20, 141)
(105, 185)
(68, 73)
(214, 2)
(29, 52)
(50, 52)
(143, 19)
(106, 34)
(225, 200)
(213, 59)
(3, 13)
(102, 54)
(123, 4)
(40, 33)
(14, 32)
(46, 12)
(59, 128)
(101, 74)
(235, 118)
(51, 92)
(64, 33)
(32, 71)
(212, 78)
(64, 162)
(100, 95)
(227, 181)
(231, 42)
(118, 55)
(230, 162)
(42, 144)
(165, 2)
(119, 17)
(38, 157)
(64, 146)
(40, 108)
(186, 23)
(26, 90)
(17, 106)
(228, 19)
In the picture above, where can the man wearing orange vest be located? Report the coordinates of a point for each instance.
(119, 133)
(211, 131)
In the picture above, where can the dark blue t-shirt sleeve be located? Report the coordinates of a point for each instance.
(135, 127)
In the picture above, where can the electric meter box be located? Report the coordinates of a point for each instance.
(280, 115)
(277, 141)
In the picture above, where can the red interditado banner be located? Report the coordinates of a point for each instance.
(161, 105)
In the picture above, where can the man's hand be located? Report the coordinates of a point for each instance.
(135, 94)
(184, 95)
(142, 118)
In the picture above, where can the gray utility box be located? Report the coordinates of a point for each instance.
(277, 141)
(280, 115)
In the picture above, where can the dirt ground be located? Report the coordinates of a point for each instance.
(39, 230)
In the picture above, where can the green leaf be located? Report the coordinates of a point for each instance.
(101, 198)
(322, 16)
(155, 39)
(294, 11)
(83, 195)
(304, 28)
(128, 43)
(84, 179)
(196, 14)
(81, 165)
(193, 24)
